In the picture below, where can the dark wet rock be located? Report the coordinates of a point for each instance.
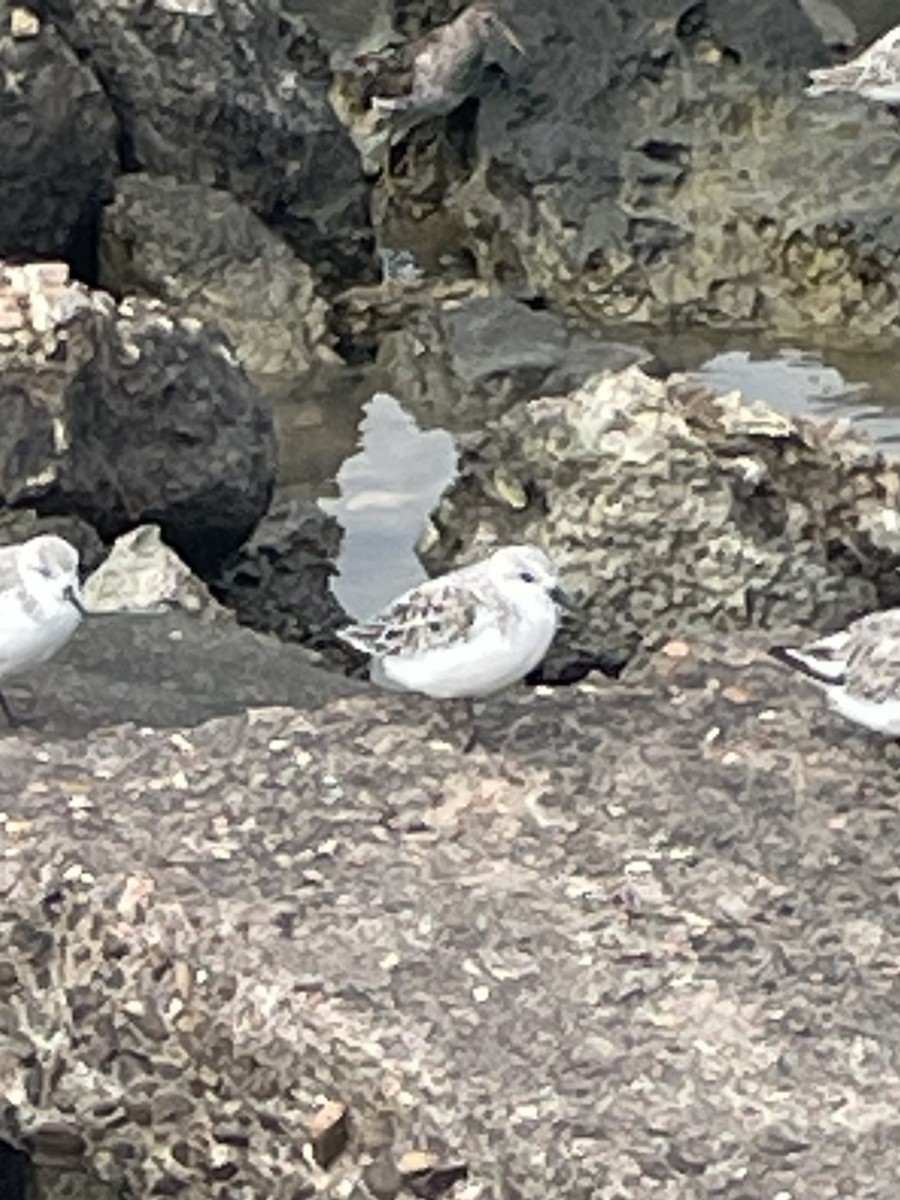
(233, 94)
(669, 508)
(13, 1173)
(122, 415)
(329, 1132)
(462, 364)
(425, 1176)
(206, 255)
(280, 580)
(652, 165)
(168, 669)
(215, 928)
(59, 141)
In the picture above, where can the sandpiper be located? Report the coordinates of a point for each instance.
(858, 668)
(469, 633)
(40, 604)
(873, 74)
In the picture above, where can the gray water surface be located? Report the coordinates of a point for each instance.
(386, 491)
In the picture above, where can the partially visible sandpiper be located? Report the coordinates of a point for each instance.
(434, 74)
(40, 605)
(858, 669)
(873, 74)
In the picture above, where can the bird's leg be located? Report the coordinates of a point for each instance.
(471, 727)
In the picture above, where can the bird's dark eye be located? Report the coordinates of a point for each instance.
(527, 577)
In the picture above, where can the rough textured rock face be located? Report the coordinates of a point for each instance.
(280, 581)
(679, 174)
(51, 1181)
(681, 891)
(232, 96)
(365, 313)
(167, 670)
(13, 1172)
(669, 508)
(205, 255)
(464, 364)
(59, 141)
(123, 415)
(20, 524)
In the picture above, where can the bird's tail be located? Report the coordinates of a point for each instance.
(360, 637)
(813, 662)
(831, 79)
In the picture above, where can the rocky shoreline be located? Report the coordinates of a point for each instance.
(265, 932)
(681, 884)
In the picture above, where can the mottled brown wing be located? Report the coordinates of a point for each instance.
(873, 657)
(428, 617)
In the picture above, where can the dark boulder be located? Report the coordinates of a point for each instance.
(204, 254)
(463, 364)
(279, 581)
(123, 415)
(59, 142)
(232, 95)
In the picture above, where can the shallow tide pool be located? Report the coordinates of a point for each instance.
(349, 445)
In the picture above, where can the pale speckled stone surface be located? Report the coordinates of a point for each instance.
(142, 573)
(643, 941)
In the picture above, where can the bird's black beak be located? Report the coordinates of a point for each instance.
(561, 597)
(72, 596)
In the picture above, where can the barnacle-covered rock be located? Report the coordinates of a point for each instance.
(654, 165)
(669, 508)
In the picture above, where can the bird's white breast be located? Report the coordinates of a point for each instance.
(31, 635)
(493, 656)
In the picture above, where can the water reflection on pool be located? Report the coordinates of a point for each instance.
(387, 489)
